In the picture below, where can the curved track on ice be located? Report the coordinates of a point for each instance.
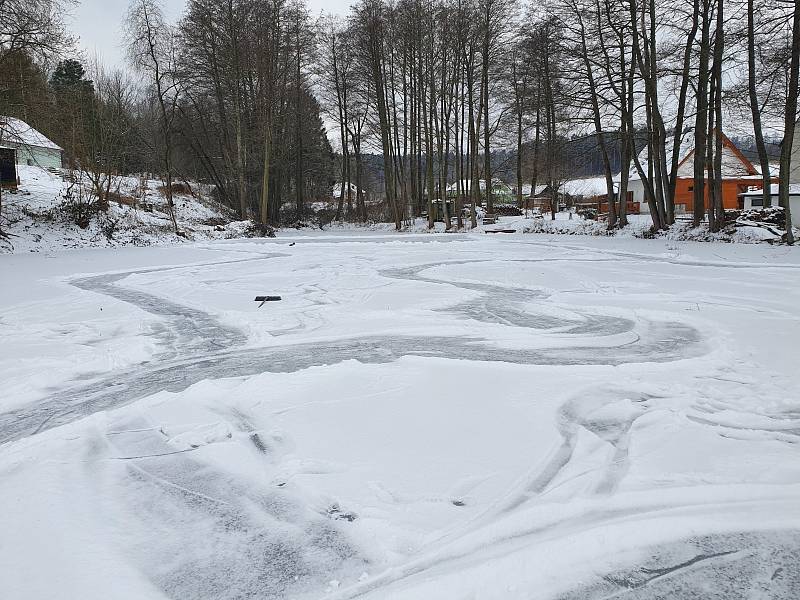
(198, 347)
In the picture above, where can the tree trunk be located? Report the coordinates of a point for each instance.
(598, 126)
(755, 109)
(790, 121)
(265, 216)
(487, 155)
(677, 135)
(718, 211)
(701, 121)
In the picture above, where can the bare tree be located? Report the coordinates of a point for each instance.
(755, 107)
(588, 59)
(33, 28)
(151, 48)
(105, 139)
(372, 40)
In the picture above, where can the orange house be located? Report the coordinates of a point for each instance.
(738, 176)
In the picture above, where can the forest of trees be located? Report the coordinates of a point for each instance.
(238, 93)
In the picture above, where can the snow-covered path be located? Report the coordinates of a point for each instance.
(421, 416)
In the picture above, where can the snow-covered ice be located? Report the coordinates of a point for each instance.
(421, 416)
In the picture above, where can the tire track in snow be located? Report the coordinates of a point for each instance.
(588, 412)
(759, 554)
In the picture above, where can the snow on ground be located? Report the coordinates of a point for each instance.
(420, 416)
(639, 226)
(37, 217)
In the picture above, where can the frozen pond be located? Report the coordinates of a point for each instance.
(420, 416)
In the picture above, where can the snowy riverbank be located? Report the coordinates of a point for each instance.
(38, 218)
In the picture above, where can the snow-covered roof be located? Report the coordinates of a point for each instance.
(17, 131)
(526, 189)
(734, 163)
(587, 187)
(466, 184)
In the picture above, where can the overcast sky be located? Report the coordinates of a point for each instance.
(98, 23)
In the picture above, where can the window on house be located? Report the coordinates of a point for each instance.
(757, 202)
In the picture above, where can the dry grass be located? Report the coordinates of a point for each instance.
(178, 189)
(122, 199)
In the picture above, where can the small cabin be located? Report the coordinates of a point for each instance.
(32, 147)
(342, 188)
(754, 198)
(502, 193)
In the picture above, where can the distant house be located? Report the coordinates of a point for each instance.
(592, 192)
(738, 176)
(340, 187)
(32, 147)
(527, 191)
(582, 193)
(755, 199)
(501, 191)
(541, 198)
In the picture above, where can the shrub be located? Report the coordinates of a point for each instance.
(122, 199)
(256, 229)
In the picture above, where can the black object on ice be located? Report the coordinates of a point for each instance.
(264, 299)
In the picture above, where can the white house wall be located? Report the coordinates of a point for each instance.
(794, 205)
(637, 188)
(36, 156)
